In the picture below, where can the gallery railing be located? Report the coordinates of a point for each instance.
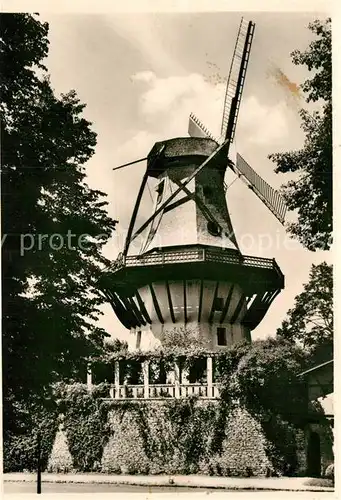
(162, 257)
(163, 391)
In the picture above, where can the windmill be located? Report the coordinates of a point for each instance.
(189, 270)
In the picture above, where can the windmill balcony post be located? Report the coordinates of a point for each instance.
(146, 379)
(89, 377)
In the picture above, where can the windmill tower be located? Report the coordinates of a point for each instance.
(189, 271)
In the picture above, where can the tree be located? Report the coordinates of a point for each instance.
(53, 225)
(266, 381)
(311, 194)
(310, 322)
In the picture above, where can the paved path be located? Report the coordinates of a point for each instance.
(30, 487)
(196, 481)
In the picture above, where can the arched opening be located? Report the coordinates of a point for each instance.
(314, 455)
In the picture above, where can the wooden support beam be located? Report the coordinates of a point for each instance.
(126, 310)
(143, 307)
(176, 204)
(120, 311)
(200, 299)
(136, 311)
(133, 218)
(227, 303)
(203, 208)
(210, 319)
(156, 304)
(170, 303)
(272, 296)
(238, 309)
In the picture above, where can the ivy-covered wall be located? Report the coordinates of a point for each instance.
(189, 436)
(172, 437)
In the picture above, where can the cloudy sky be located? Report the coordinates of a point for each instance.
(142, 74)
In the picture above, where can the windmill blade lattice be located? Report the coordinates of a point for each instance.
(236, 79)
(197, 129)
(269, 196)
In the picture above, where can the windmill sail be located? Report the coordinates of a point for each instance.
(269, 196)
(236, 79)
(197, 129)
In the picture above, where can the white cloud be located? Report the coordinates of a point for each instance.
(137, 146)
(262, 124)
(167, 102)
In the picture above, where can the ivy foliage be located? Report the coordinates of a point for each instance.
(86, 429)
(282, 445)
(266, 379)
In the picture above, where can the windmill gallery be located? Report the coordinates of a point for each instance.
(189, 287)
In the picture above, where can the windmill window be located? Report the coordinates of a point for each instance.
(213, 228)
(159, 190)
(138, 340)
(218, 304)
(221, 336)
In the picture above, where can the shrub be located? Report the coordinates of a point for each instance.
(124, 451)
(86, 429)
(20, 451)
(60, 459)
(244, 447)
(159, 442)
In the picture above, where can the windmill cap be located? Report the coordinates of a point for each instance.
(182, 150)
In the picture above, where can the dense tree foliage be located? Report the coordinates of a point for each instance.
(311, 194)
(266, 378)
(309, 322)
(53, 224)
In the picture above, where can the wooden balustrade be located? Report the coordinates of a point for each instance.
(195, 255)
(164, 391)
